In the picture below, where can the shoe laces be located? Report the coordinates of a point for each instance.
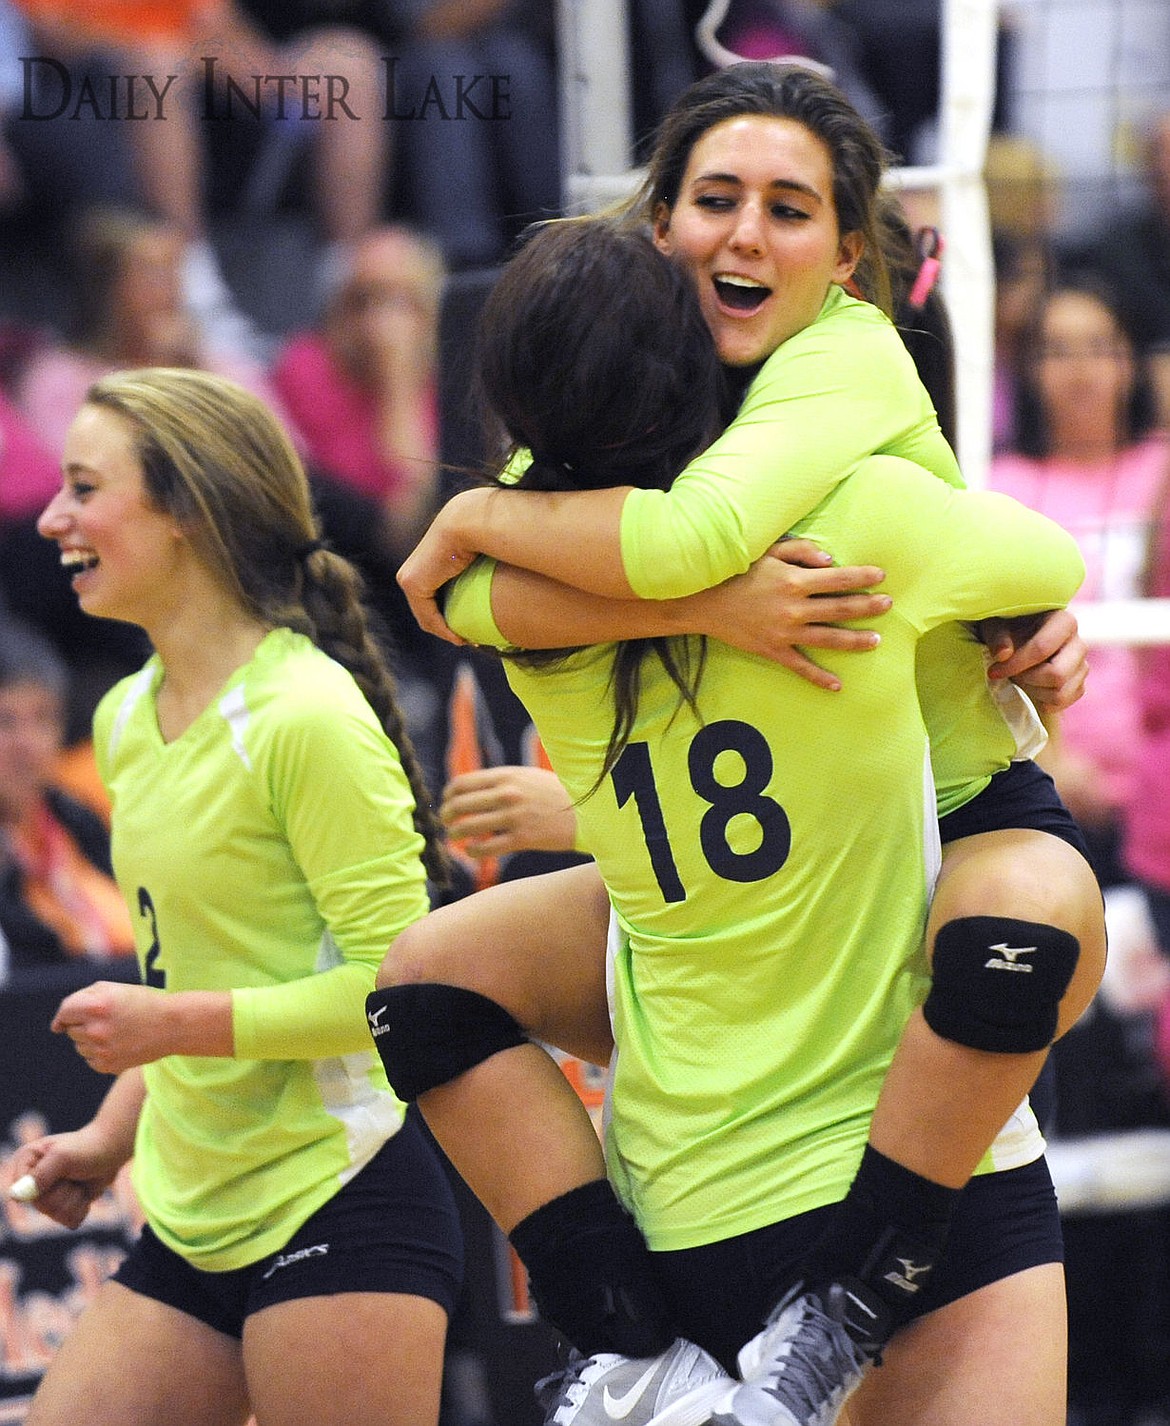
(568, 1386)
(820, 1343)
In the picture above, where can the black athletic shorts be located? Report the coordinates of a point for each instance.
(393, 1228)
(721, 1293)
(1022, 795)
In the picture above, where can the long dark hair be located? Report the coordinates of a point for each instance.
(593, 353)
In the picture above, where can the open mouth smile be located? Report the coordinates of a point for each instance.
(78, 561)
(743, 294)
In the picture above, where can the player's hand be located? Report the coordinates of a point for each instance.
(791, 599)
(499, 810)
(437, 558)
(70, 1171)
(1043, 654)
(114, 1026)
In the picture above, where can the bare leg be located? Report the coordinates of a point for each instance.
(350, 155)
(536, 947)
(375, 1358)
(940, 1108)
(511, 1123)
(996, 1356)
(168, 153)
(131, 1359)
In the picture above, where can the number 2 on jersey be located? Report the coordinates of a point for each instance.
(152, 975)
(633, 776)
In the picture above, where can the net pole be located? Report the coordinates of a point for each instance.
(968, 276)
(595, 117)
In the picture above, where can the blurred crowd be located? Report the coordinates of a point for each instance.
(409, 144)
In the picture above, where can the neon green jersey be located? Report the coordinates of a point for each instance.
(270, 851)
(842, 389)
(771, 864)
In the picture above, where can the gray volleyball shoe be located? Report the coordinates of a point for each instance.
(679, 1387)
(809, 1359)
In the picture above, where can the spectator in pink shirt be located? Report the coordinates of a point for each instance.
(363, 389)
(28, 473)
(1086, 456)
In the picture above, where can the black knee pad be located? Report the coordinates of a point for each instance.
(430, 1034)
(997, 983)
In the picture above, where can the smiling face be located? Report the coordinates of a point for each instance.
(120, 550)
(756, 226)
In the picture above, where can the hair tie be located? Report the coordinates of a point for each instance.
(310, 547)
(929, 245)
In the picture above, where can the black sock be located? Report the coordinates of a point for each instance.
(591, 1273)
(888, 1232)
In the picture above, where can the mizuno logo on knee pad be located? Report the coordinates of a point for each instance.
(430, 1033)
(1016, 1012)
(1006, 960)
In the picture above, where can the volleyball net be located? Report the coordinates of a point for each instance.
(598, 144)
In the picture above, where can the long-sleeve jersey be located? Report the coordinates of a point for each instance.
(842, 389)
(770, 863)
(270, 851)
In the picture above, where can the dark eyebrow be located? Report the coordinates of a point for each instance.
(787, 184)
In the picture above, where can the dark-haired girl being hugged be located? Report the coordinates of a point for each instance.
(769, 853)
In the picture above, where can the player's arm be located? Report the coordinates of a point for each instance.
(115, 1026)
(970, 555)
(518, 527)
(347, 811)
(790, 599)
(811, 414)
(827, 398)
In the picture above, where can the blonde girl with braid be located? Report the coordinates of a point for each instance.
(271, 833)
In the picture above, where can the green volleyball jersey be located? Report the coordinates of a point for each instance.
(269, 850)
(843, 388)
(770, 864)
